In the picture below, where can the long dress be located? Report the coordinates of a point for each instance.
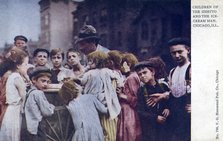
(98, 82)
(85, 118)
(11, 123)
(129, 128)
(3, 105)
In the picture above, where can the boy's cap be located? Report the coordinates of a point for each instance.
(41, 50)
(179, 41)
(20, 37)
(37, 70)
(143, 64)
(87, 32)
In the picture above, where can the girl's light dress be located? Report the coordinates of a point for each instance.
(11, 123)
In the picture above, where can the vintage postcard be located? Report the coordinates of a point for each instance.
(206, 23)
(141, 27)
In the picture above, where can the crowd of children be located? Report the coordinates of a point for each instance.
(114, 97)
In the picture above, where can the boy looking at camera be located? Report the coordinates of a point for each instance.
(36, 106)
(41, 56)
(59, 73)
(154, 118)
(180, 86)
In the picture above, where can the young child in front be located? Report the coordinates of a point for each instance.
(36, 106)
(84, 112)
(153, 117)
(15, 91)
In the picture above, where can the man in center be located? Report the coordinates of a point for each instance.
(88, 40)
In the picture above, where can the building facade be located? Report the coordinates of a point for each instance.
(56, 23)
(139, 26)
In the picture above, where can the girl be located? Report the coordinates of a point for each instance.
(84, 112)
(98, 81)
(114, 63)
(128, 121)
(153, 117)
(15, 95)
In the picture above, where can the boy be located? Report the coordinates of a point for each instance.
(41, 56)
(36, 105)
(59, 73)
(21, 42)
(153, 117)
(179, 78)
(74, 61)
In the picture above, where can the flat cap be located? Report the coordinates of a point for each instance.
(37, 70)
(40, 50)
(179, 41)
(143, 64)
(20, 37)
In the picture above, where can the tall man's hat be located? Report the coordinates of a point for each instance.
(87, 32)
